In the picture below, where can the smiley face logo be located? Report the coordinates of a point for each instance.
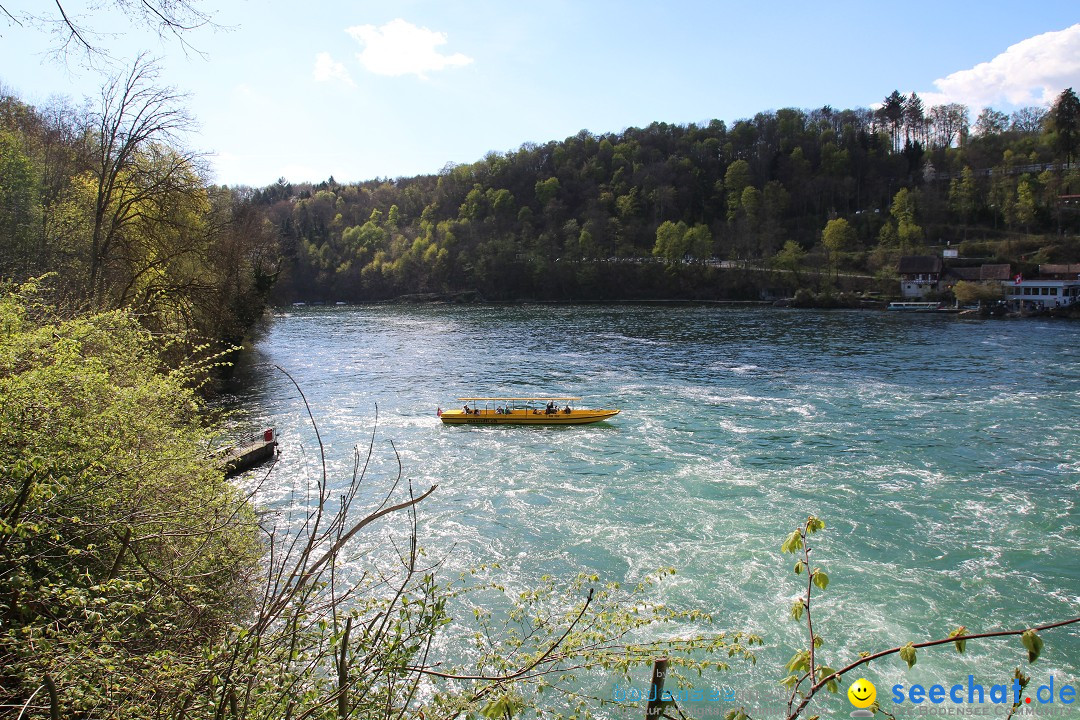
(862, 693)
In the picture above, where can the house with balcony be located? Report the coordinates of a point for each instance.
(920, 275)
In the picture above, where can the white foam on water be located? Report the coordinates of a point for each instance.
(944, 465)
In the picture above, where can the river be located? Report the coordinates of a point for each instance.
(943, 454)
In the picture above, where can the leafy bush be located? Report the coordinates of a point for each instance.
(122, 549)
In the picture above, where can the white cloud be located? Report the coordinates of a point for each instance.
(401, 48)
(327, 69)
(1031, 72)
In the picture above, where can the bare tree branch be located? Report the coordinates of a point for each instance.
(71, 26)
(11, 17)
(165, 18)
(522, 671)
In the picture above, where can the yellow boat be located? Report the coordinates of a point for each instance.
(522, 411)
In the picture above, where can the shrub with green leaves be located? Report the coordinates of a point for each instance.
(122, 549)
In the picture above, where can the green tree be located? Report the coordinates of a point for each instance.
(1025, 202)
(837, 236)
(362, 244)
(1064, 123)
(903, 212)
(967, 293)
(891, 113)
(790, 258)
(736, 180)
(699, 242)
(774, 205)
(1052, 184)
(888, 236)
(1003, 190)
(502, 202)
(547, 190)
(962, 196)
(586, 244)
(750, 204)
(748, 223)
(21, 241)
(672, 243)
(628, 205)
(475, 206)
(914, 119)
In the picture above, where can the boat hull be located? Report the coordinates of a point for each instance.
(525, 417)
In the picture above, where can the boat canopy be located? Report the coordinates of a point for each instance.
(486, 399)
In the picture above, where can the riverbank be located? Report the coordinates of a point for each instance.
(803, 299)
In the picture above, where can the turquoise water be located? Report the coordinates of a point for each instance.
(942, 453)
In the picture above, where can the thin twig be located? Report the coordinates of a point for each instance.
(522, 671)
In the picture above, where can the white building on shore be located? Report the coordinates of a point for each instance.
(1055, 286)
(1042, 293)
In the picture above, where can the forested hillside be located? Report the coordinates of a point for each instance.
(577, 219)
(108, 199)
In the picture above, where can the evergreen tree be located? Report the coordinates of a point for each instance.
(1064, 121)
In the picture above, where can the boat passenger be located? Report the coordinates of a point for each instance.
(567, 410)
(467, 410)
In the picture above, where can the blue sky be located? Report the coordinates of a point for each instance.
(359, 89)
